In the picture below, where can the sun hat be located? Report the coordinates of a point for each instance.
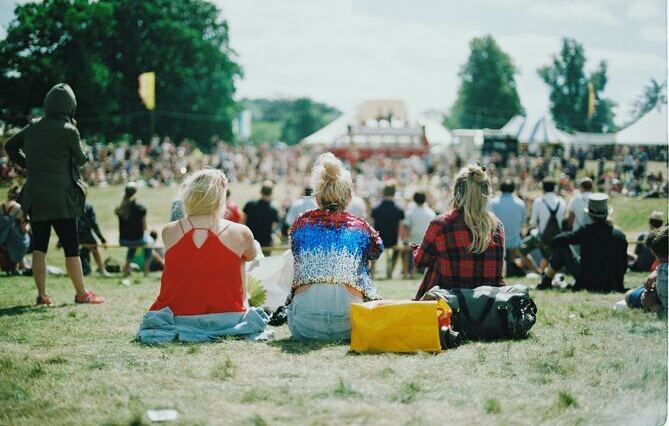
(656, 215)
(598, 205)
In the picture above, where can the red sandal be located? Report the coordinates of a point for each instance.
(89, 297)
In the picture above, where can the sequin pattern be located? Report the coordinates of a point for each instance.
(334, 248)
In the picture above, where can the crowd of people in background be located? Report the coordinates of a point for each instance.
(435, 214)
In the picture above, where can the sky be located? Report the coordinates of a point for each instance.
(345, 51)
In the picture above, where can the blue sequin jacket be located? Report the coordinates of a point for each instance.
(334, 248)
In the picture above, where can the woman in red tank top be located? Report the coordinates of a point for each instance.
(204, 271)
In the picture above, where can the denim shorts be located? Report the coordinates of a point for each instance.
(634, 297)
(322, 312)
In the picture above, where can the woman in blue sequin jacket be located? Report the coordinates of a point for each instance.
(332, 250)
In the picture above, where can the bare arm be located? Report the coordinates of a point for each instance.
(250, 251)
(14, 148)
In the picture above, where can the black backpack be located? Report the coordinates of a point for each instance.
(552, 227)
(489, 313)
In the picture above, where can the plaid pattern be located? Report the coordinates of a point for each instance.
(449, 263)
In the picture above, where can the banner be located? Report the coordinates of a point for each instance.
(147, 89)
(591, 100)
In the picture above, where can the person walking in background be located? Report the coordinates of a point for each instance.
(54, 194)
(332, 250)
(645, 259)
(132, 225)
(510, 210)
(261, 216)
(548, 212)
(202, 290)
(576, 209)
(232, 213)
(603, 252)
(299, 206)
(387, 217)
(357, 207)
(87, 225)
(416, 221)
(463, 247)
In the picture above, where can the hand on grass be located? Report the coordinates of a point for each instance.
(650, 280)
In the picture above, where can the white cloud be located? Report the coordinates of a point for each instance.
(654, 33)
(573, 11)
(334, 52)
(642, 10)
(328, 51)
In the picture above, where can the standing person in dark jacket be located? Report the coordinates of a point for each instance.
(603, 260)
(132, 224)
(54, 194)
(87, 224)
(261, 216)
(388, 218)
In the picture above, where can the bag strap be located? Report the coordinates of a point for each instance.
(465, 310)
(552, 212)
(503, 313)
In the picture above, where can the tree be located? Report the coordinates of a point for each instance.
(570, 92)
(487, 97)
(286, 119)
(100, 47)
(653, 94)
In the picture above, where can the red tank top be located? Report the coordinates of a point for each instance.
(205, 280)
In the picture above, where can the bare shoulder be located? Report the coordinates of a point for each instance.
(171, 234)
(240, 231)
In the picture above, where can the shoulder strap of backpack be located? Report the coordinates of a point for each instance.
(551, 211)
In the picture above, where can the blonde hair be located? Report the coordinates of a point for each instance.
(203, 192)
(331, 182)
(470, 195)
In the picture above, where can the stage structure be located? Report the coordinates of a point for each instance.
(379, 127)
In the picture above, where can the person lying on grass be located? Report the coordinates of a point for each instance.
(653, 294)
(202, 294)
(463, 247)
(332, 250)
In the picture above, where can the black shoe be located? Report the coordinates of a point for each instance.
(546, 283)
(279, 317)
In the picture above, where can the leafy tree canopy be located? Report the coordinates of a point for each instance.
(286, 119)
(487, 97)
(569, 92)
(100, 48)
(654, 94)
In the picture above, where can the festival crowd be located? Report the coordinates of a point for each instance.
(438, 215)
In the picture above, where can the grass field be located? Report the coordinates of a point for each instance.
(584, 363)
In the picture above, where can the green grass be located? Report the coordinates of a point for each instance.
(584, 363)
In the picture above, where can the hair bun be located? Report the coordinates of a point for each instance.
(331, 171)
(477, 174)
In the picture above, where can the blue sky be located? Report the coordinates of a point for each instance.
(345, 51)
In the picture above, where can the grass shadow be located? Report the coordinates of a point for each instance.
(297, 347)
(22, 309)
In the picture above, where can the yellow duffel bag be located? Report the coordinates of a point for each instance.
(397, 325)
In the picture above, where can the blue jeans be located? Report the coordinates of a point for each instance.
(634, 298)
(322, 312)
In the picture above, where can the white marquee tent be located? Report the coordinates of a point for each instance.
(335, 134)
(650, 129)
(536, 130)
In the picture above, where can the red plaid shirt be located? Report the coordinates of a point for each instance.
(449, 262)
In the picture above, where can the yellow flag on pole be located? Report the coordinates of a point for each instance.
(591, 100)
(147, 89)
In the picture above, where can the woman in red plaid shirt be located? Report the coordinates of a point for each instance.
(464, 247)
